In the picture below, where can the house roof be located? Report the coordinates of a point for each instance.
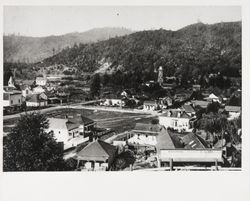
(212, 96)
(164, 141)
(200, 103)
(97, 151)
(71, 125)
(11, 90)
(147, 128)
(192, 141)
(149, 103)
(174, 114)
(57, 123)
(80, 119)
(35, 98)
(233, 108)
(188, 108)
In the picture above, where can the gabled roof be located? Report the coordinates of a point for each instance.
(57, 123)
(233, 108)
(192, 141)
(97, 151)
(188, 108)
(71, 125)
(35, 98)
(174, 114)
(164, 141)
(200, 103)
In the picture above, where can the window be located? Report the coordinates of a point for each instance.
(11, 102)
(59, 132)
(19, 101)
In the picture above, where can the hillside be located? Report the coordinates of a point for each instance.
(192, 51)
(33, 49)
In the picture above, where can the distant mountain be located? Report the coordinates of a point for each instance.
(192, 51)
(33, 49)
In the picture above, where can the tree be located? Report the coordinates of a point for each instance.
(95, 85)
(28, 147)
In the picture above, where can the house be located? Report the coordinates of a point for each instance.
(200, 103)
(41, 81)
(126, 93)
(11, 82)
(150, 105)
(166, 102)
(12, 97)
(233, 111)
(168, 86)
(188, 109)
(26, 90)
(177, 119)
(96, 156)
(196, 87)
(212, 98)
(38, 89)
(144, 134)
(67, 132)
(36, 100)
(113, 102)
(87, 125)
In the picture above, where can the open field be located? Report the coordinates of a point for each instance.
(117, 121)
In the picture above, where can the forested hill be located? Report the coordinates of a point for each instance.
(191, 51)
(33, 49)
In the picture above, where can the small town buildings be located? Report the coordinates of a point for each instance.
(26, 90)
(188, 109)
(233, 111)
(96, 156)
(36, 100)
(193, 141)
(38, 89)
(212, 98)
(177, 119)
(12, 97)
(69, 133)
(196, 87)
(144, 134)
(200, 103)
(150, 105)
(41, 81)
(113, 102)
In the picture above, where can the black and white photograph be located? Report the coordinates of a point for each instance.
(122, 88)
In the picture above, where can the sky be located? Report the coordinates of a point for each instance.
(41, 21)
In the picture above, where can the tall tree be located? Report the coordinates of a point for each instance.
(28, 147)
(95, 85)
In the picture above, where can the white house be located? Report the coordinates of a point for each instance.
(233, 111)
(212, 98)
(176, 119)
(150, 105)
(114, 102)
(41, 81)
(26, 90)
(36, 100)
(38, 90)
(66, 132)
(11, 97)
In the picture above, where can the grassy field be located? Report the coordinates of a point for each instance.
(117, 121)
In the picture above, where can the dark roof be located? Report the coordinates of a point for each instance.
(97, 151)
(174, 113)
(188, 108)
(71, 125)
(147, 128)
(192, 141)
(79, 118)
(149, 103)
(35, 98)
(232, 108)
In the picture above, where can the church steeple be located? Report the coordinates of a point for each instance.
(160, 75)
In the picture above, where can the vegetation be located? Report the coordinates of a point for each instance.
(28, 147)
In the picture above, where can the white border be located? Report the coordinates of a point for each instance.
(147, 186)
